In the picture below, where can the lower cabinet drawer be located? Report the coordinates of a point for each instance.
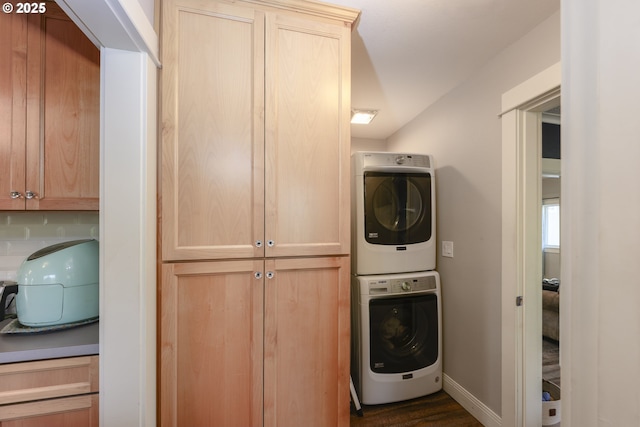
(56, 392)
(76, 411)
(46, 379)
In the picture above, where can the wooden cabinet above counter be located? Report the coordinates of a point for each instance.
(49, 113)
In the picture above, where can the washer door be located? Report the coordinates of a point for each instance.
(403, 333)
(397, 208)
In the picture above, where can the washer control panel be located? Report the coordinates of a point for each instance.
(401, 285)
(375, 159)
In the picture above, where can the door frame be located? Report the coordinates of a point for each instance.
(128, 125)
(521, 119)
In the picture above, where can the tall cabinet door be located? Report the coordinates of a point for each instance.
(63, 115)
(306, 349)
(212, 138)
(13, 89)
(211, 347)
(307, 137)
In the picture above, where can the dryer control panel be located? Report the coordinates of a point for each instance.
(401, 285)
(379, 159)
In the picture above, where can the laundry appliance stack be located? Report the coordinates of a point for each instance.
(395, 291)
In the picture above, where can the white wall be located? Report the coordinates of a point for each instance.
(600, 222)
(463, 132)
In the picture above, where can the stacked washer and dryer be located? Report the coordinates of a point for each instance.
(396, 351)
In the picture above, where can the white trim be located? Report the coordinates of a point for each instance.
(468, 401)
(128, 239)
(537, 87)
(115, 24)
(521, 257)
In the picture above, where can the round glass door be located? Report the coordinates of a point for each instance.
(397, 204)
(397, 208)
(403, 333)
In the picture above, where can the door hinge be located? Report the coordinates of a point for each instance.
(518, 301)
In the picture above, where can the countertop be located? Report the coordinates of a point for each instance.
(77, 341)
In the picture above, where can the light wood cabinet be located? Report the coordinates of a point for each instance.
(212, 140)
(224, 323)
(211, 344)
(13, 112)
(57, 392)
(255, 212)
(50, 122)
(307, 340)
(255, 130)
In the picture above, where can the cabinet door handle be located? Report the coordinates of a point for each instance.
(258, 243)
(31, 195)
(258, 274)
(270, 243)
(270, 274)
(16, 195)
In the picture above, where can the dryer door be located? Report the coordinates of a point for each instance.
(398, 208)
(403, 333)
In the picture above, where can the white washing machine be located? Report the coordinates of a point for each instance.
(396, 332)
(393, 209)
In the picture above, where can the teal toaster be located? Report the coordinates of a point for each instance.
(59, 284)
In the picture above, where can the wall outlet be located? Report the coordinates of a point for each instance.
(447, 249)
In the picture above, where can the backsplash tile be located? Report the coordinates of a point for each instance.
(23, 233)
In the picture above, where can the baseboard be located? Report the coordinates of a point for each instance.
(468, 401)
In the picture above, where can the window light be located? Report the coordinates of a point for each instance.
(551, 224)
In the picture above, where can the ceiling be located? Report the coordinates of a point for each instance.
(406, 54)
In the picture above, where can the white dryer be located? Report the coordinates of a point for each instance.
(396, 346)
(393, 209)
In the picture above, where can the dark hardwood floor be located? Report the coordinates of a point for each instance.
(551, 361)
(437, 409)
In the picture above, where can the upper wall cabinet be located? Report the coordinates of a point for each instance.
(49, 121)
(255, 130)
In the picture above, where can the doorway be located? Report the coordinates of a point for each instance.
(551, 246)
(521, 246)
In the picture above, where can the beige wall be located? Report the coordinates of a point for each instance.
(463, 132)
(551, 262)
(363, 144)
(550, 188)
